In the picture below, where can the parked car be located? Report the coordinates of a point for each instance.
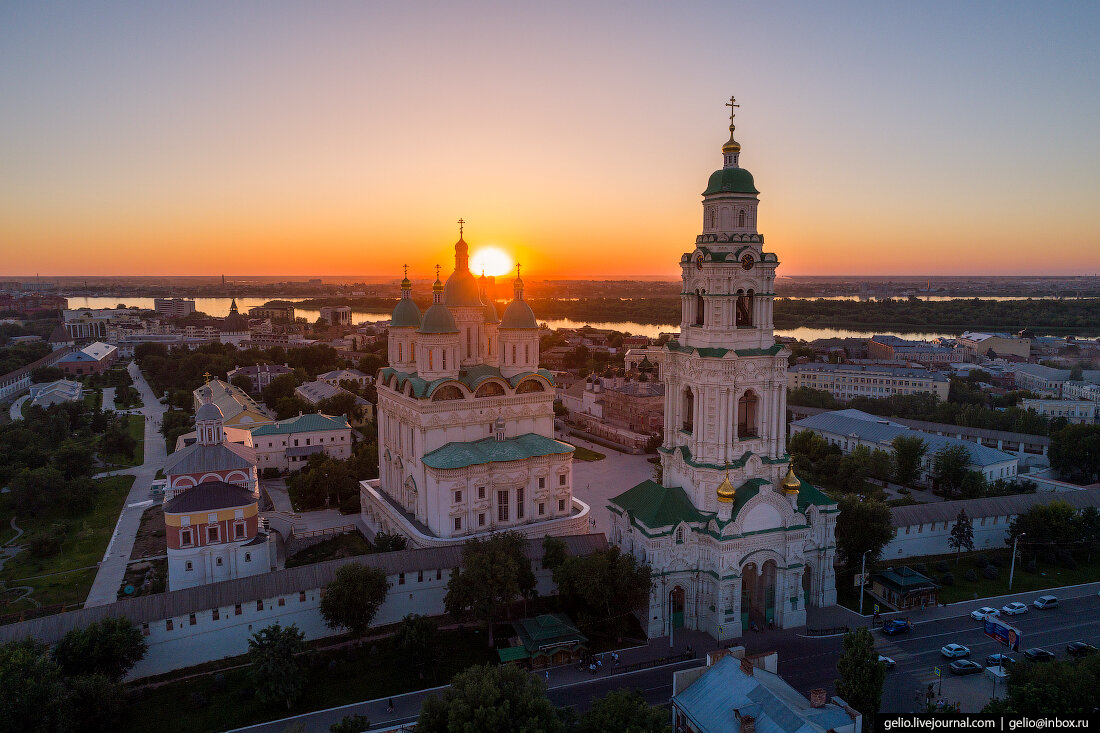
(1036, 654)
(890, 663)
(984, 612)
(897, 626)
(1014, 608)
(1046, 602)
(965, 666)
(955, 651)
(999, 660)
(1079, 649)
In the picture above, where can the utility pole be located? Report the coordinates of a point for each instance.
(863, 578)
(1012, 570)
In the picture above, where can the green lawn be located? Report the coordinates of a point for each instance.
(1046, 576)
(92, 398)
(85, 542)
(345, 545)
(584, 454)
(135, 426)
(204, 704)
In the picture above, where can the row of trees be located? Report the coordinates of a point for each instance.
(325, 481)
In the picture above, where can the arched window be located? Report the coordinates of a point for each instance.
(513, 353)
(399, 345)
(489, 345)
(744, 309)
(431, 359)
(679, 534)
(530, 385)
(526, 353)
(741, 218)
(490, 389)
(468, 348)
(689, 410)
(699, 309)
(747, 415)
(713, 218)
(444, 358)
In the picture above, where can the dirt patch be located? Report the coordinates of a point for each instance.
(151, 540)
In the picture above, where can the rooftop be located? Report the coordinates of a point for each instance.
(303, 424)
(491, 450)
(209, 496)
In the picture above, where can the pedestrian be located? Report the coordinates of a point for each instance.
(389, 706)
(592, 667)
(599, 664)
(547, 676)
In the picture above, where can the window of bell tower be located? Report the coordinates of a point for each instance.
(689, 410)
(700, 309)
(747, 409)
(741, 218)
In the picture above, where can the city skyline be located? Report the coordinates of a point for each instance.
(193, 140)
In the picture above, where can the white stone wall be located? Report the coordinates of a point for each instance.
(931, 538)
(237, 561)
(271, 449)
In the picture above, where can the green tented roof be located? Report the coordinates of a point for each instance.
(745, 492)
(512, 654)
(491, 450)
(730, 180)
(302, 424)
(656, 506)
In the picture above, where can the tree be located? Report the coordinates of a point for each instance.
(862, 527)
(110, 647)
(276, 673)
(1065, 688)
(881, 465)
(862, 676)
(950, 464)
(624, 711)
(1075, 452)
(490, 699)
(279, 388)
(1046, 525)
(242, 383)
(351, 724)
(370, 364)
(97, 703)
(343, 403)
(494, 572)
(604, 588)
(908, 452)
(553, 552)
(353, 598)
(418, 637)
(34, 696)
(962, 535)
(386, 542)
(288, 407)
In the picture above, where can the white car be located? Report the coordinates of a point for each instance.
(955, 651)
(984, 612)
(890, 663)
(1014, 608)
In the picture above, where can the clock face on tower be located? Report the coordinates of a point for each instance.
(747, 262)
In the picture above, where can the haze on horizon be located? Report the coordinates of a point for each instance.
(274, 137)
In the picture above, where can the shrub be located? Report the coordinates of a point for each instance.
(971, 575)
(980, 562)
(270, 473)
(990, 572)
(947, 579)
(941, 566)
(1031, 566)
(46, 545)
(1065, 559)
(994, 562)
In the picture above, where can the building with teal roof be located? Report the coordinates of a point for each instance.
(286, 445)
(734, 537)
(465, 421)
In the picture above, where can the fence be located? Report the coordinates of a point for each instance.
(828, 632)
(658, 662)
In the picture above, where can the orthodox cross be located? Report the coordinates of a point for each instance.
(206, 376)
(406, 268)
(731, 105)
(461, 223)
(437, 272)
(518, 265)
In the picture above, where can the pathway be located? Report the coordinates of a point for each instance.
(276, 491)
(595, 482)
(9, 548)
(16, 411)
(108, 398)
(112, 569)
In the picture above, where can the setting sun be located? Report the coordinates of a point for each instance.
(490, 260)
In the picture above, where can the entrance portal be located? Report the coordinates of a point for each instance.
(676, 607)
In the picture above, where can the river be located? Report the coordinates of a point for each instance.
(219, 307)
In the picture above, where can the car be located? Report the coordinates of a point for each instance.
(1014, 608)
(955, 651)
(1045, 602)
(964, 666)
(1077, 649)
(999, 660)
(890, 663)
(1035, 654)
(896, 626)
(984, 612)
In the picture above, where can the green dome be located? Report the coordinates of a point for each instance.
(730, 180)
(518, 315)
(438, 319)
(491, 313)
(461, 289)
(405, 315)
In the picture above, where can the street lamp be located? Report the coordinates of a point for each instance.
(1012, 570)
(862, 579)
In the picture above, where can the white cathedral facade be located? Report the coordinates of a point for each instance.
(466, 422)
(733, 537)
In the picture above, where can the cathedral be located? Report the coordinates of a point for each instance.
(466, 422)
(735, 539)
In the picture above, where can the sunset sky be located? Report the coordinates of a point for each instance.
(336, 138)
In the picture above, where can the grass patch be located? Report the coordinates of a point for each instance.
(344, 545)
(135, 426)
(85, 542)
(333, 677)
(93, 398)
(586, 454)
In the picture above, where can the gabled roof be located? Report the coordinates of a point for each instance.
(491, 450)
(198, 458)
(657, 506)
(303, 424)
(342, 374)
(209, 496)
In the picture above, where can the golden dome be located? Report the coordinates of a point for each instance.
(791, 482)
(726, 490)
(731, 146)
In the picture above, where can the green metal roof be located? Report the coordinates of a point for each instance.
(491, 312)
(405, 314)
(745, 492)
(302, 424)
(730, 180)
(904, 579)
(656, 506)
(512, 654)
(438, 319)
(491, 450)
(518, 315)
(471, 377)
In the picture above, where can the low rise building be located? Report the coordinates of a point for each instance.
(276, 310)
(978, 344)
(237, 407)
(53, 393)
(921, 352)
(316, 392)
(94, 358)
(211, 457)
(1075, 411)
(174, 307)
(848, 428)
(337, 315)
(638, 406)
(903, 588)
(1050, 382)
(845, 381)
(259, 375)
(338, 376)
(286, 445)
